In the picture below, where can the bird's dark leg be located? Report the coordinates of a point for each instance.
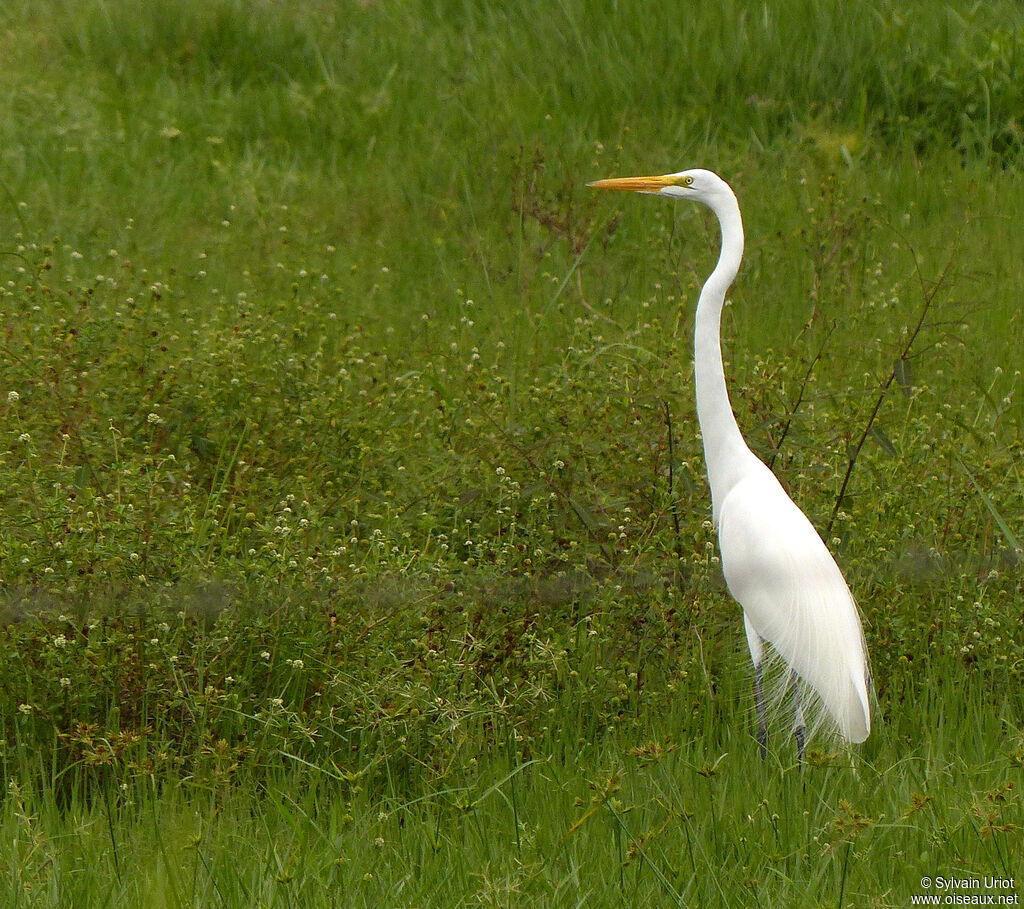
(762, 712)
(799, 726)
(757, 658)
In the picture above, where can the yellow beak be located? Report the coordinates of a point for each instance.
(637, 184)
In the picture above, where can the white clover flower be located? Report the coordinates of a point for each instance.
(13, 397)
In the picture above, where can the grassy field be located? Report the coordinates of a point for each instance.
(355, 540)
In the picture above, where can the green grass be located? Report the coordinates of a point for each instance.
(356, 544)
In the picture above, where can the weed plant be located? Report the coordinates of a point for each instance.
(355, 538)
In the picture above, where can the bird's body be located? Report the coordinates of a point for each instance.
(794, 596)
(775, 564)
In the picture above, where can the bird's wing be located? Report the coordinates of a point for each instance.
(794, 595)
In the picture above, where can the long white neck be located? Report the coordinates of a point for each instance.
(725, 452)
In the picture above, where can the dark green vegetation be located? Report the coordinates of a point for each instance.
(355, 544)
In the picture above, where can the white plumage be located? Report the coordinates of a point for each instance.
(794, 596)
(775, 564)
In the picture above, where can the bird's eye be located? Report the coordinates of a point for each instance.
(687, 180)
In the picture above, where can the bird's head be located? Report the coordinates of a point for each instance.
(697, 185)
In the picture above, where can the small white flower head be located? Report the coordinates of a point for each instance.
(154, 418)
(13, 397)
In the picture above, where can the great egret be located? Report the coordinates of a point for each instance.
(776, 565)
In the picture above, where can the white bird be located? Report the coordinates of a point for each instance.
(776, 565)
